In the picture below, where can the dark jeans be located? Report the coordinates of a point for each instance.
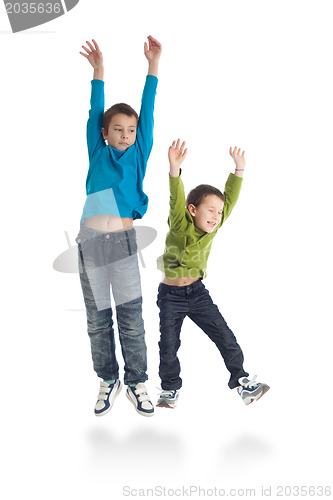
(110, 259)
(194, 301)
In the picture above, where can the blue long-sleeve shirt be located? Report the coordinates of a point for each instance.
(114, 180)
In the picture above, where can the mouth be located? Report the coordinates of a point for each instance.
(211, 224)
(124, 143)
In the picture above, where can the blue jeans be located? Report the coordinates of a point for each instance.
(110, 259)
(194, 301)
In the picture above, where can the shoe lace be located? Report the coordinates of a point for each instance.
(167, 394)
(252, 382)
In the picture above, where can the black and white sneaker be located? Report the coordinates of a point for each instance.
(139, 397)
(250, 390)
(168, 399)
(106, 397)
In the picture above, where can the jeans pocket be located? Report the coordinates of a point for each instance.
(128, 245)
(163, 295)
(85, 246)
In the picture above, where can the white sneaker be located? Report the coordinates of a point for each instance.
(106, 397)
(168, 399)
(250, 391)
(139, 397)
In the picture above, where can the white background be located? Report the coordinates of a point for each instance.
(251, 73)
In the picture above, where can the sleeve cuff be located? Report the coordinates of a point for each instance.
(152, 78)
(174, 180)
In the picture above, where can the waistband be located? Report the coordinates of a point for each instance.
(182, 290)
(87, 233)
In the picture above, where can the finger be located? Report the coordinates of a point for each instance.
(182, 146)
(85, 48)
(243, 154)
(178, 142)
(89, 45)
(85, 55)
(185, 153)
(156, 42)
(230, 151)
(96, 44)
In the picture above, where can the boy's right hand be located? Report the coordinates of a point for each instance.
(94, 56)
(177, 155)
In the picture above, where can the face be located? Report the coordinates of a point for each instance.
(122, 131)
(207, 215)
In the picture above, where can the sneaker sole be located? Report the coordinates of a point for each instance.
(164, 404)
(111, 404)
(143, 413)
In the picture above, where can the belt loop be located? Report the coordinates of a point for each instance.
(128, 243)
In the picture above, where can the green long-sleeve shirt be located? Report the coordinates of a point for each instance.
(186, 246)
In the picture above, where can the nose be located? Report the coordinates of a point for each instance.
(124, 135)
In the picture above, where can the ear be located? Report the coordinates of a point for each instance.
(192, 209)
(104, 134)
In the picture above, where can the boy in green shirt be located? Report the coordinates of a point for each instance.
(193, 224)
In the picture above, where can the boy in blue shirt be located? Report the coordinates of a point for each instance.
(193, 224)
(107, 241)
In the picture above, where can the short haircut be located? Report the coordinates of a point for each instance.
(196, 195)
(114, 110)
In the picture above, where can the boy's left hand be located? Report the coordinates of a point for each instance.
(239, 160)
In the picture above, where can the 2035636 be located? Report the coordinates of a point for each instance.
(33, 8)
(303, 491)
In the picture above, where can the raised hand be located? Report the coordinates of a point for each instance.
(153, 52)
(177, 154)
(93, 54)
(239, 160)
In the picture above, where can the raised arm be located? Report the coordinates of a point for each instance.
(177, 154)
(94, 125)
(95, 58)
(234, 182)
(153, 52)
(144, 139)
(239, 161)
